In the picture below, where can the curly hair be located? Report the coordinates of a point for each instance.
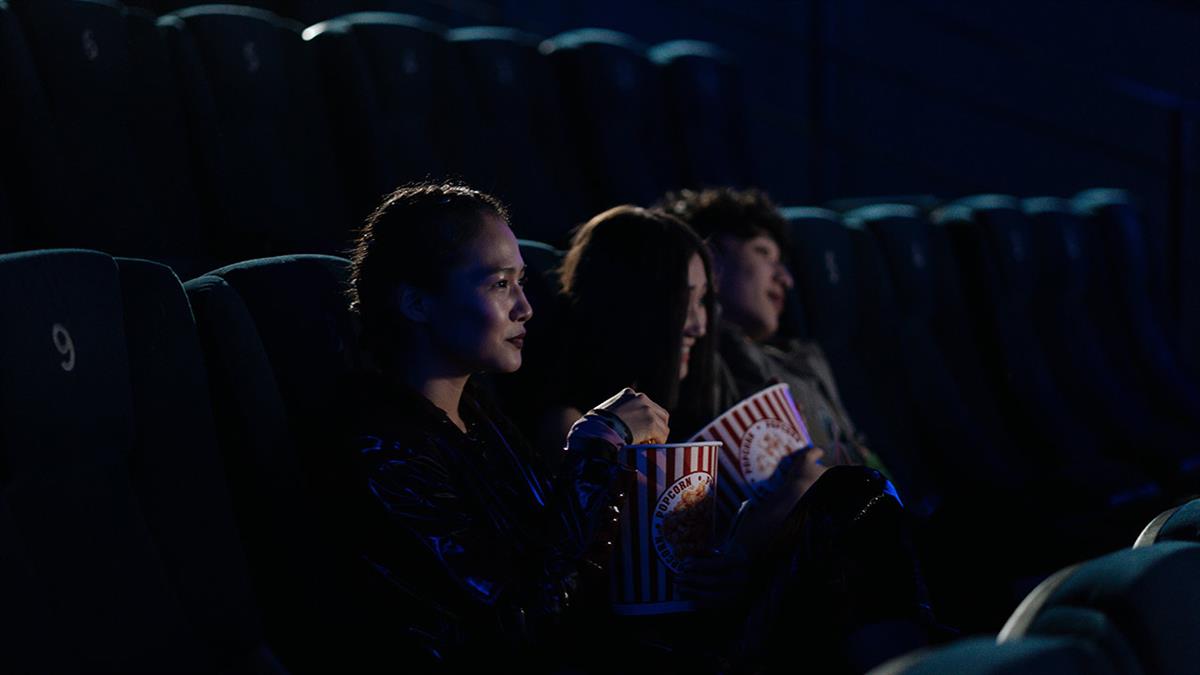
(414, 237)
(715, 212)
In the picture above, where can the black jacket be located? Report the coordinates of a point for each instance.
(485, 552)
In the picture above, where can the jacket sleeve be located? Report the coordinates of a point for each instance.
(420, 495)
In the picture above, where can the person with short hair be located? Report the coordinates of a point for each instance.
(748, 241)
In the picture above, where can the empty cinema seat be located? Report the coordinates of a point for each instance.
(178, 473)
(118, 140)
(704, 101)
(26, 165)
(960, 422)
(278, 344)
(983, 656)
(512, 112)
(388, 84)
(1137, 326)
(613, 98)
(1068, 273)
(260, 137)
(1181, 523)
(66, 429)
(1140, 605)
(990, 239)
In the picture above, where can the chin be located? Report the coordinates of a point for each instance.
(505, 366)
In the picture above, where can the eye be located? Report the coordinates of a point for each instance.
(522, 280)
(503, 283)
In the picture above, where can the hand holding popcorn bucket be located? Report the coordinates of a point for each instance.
(756, 434)
(667, 517)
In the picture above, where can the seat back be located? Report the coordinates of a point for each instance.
(615, 111)
(704, 106)
(388, 86)
(276, 339)
(178, 472)
(260, 136)
(1149, 595)
(983, 656)
(65, 436)
(119, 133)
(1181, 523)
(514, 114)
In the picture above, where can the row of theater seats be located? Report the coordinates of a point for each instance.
(1007, 359)
(1130, 611)
(448, 12)
(169, 462)
(219, 133)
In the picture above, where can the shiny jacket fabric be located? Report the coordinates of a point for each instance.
(487, 553)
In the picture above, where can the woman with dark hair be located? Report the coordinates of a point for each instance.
(486, 550)
(641, 312)
(808, 567)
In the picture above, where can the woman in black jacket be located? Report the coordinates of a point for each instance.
(488, 552)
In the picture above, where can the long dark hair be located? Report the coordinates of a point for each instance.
(625, 280)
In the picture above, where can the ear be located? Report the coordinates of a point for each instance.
(415, 304)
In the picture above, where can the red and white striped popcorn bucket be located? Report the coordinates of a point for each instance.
(756, 434)
(666, 517)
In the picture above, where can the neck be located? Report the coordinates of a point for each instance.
(442, 388)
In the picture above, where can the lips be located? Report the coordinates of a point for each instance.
(517, 341)
(776, 300)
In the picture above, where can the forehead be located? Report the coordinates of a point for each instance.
(494, 246)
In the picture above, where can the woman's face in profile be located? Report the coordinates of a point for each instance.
(696, 322)
(478, 319)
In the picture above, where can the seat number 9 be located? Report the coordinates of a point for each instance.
(65, 346)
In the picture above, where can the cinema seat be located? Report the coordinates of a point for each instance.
(389, 88)
(514, 111)
(705, 112)
(260, 137)
(178, 473)
(615, 113)
(991, 242)
(1137, 330)
(823, 259)
(982, 656)
(1181, 523)
(118, 135)
(277, 342)
(1067, 269)
(961, 427)
(1141, 601)
(96, 578)
(29, 161)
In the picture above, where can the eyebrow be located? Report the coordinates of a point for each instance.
(489, 271)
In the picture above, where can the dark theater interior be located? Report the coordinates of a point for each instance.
(395, 336)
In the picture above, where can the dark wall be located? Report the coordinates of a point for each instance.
(1021, 96)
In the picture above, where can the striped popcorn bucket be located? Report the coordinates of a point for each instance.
(756, 434)
(667, 516)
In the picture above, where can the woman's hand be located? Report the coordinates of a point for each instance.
(717, 576)
(647, 421)
(793, 477)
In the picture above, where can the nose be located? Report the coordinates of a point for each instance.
(522, 311)
(784, 275)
